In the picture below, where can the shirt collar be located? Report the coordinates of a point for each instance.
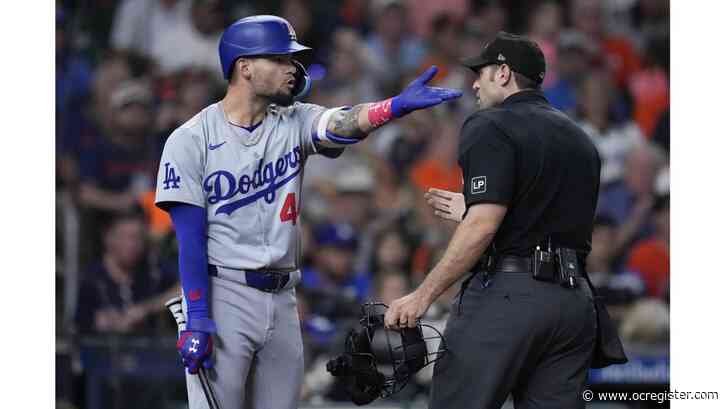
(528, 95)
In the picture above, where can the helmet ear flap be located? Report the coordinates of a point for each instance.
(303, 82)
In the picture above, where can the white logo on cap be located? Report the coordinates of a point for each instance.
(501, 57)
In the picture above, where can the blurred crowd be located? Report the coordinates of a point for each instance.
(128, 72)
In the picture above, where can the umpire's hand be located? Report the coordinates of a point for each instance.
(406, 311)
(446, 205)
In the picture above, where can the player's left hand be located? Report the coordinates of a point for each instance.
(418, 96)
(406, 311)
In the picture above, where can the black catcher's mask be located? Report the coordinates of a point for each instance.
(378, 362)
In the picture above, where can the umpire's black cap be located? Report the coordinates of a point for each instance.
(520, 53)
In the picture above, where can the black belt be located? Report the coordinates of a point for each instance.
(516, 264)
(512, 264)
(269, 281)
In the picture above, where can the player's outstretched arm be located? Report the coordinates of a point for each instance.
(355, 123)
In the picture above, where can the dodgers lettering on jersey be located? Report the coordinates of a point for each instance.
(250, 183)
(222, 185)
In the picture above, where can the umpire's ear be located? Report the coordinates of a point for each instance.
(504, 75)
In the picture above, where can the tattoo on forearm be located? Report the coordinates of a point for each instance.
(346, 123)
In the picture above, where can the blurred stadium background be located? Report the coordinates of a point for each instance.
(129, 71)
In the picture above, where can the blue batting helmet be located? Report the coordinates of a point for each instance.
(262, 35)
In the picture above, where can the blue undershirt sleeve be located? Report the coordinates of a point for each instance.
(190, 224)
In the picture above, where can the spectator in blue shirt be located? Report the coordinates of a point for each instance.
(396, 50)
(122, 291)
(118, 168)
(574, 58)
(335, 289)
(73, 77)
(630, 201)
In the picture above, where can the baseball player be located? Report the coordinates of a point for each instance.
(231, 179)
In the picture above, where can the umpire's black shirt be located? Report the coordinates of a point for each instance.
(533, 159)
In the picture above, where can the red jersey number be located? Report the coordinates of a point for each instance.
(289, 209)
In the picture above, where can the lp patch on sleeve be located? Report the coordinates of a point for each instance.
(478, 185)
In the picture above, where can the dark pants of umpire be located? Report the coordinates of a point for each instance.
(518, 336)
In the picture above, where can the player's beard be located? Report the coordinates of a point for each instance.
(281, 96)
(282, 99)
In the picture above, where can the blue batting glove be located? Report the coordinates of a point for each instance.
(418, 96)
(195, 348)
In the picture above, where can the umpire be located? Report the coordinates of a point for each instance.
(525, 323)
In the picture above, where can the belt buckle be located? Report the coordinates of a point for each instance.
(277, 281)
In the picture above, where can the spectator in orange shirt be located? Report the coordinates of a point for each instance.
(651, 257)
(650, 86)
(444, 42)
(621, 56)
(439, 168)
(159, 221)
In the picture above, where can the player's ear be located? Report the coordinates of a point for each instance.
(243, 67)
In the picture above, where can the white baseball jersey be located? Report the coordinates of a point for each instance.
(250, 183)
